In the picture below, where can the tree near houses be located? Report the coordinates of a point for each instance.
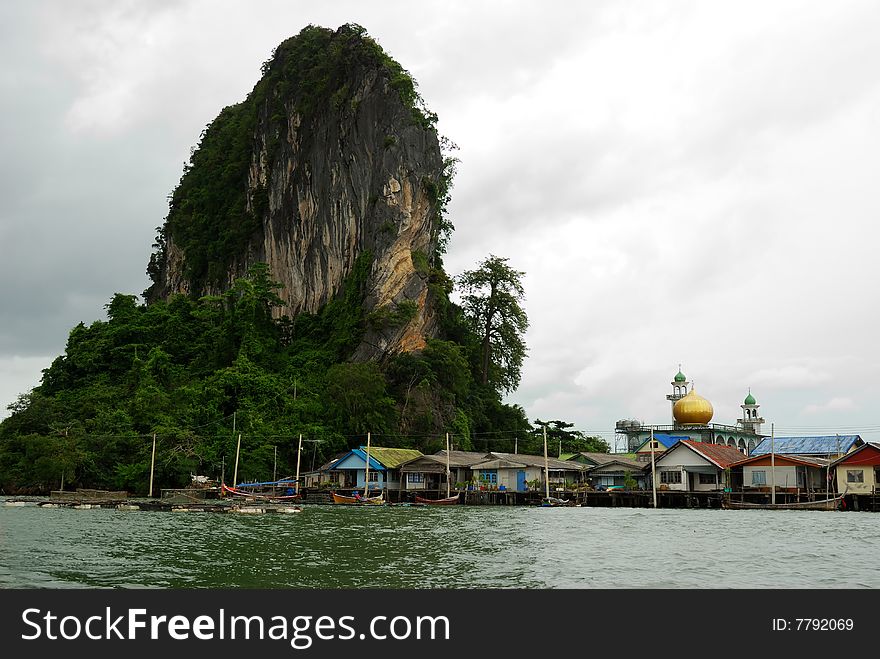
(560, 434)
(491, 301)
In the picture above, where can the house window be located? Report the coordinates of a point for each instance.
(374, 477)
(707, 479)
(670, 477)
(414, 478)
(855, 476)
(759, 477)
(489, 475)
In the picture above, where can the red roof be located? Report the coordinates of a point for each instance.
(765, 460)
(867, 454)
(719, 454)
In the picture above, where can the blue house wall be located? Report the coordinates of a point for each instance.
(356, 461)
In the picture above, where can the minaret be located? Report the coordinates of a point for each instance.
(679, 390)
(751, 420)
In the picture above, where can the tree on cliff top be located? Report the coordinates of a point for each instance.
(492, 296)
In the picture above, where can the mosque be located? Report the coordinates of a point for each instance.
(691, 419)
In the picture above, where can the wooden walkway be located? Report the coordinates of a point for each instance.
(613, 499)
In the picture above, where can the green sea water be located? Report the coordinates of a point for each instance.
(452, 547)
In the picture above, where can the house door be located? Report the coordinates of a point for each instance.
(521, 481)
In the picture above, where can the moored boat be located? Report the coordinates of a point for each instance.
(446, 501)
(357, 498)
(554, 502)
(257, 496)
(825, 504)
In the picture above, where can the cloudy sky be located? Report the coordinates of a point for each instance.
(682, 182)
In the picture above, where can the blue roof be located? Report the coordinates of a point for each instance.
(666, 440)
(356, 459)
(823, 445)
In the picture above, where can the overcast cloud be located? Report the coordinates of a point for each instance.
(682, 182)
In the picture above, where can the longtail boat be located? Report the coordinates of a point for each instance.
(257, 496)
(357, 498)
(446, 501)
(825, 504)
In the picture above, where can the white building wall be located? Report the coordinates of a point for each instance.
(683, 456)
(682, 486)
(855, 488)
(679, 458)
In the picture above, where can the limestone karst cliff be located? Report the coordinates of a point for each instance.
(330, 161)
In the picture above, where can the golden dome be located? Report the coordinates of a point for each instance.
(693, 410)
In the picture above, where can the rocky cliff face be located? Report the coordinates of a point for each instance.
(329, 159)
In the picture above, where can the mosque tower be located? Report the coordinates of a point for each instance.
(751, 420)
(679, 389)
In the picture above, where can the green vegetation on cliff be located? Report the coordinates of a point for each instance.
(196, 371)
(210, 218)
(188, 369)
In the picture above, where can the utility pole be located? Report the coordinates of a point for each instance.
(152, 465)
(237, 452)
(299, 451)
(653, 471)
(546, 469)
(772, 465)
(448, 484)
(367, 470)
(62, 471)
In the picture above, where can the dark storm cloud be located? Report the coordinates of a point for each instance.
(707, 165)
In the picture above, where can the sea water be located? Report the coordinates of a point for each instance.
(448, 547)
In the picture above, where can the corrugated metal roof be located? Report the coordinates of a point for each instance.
(538, 461)
(820, 445)
(461, 458)
(391, 458)
(720, 454)
(332, 462)
(593, 457)
(614, 466)
(786, 458)
(856, 457)
(436, 463)
(499, 463)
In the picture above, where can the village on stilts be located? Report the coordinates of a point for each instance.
(690, 463)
